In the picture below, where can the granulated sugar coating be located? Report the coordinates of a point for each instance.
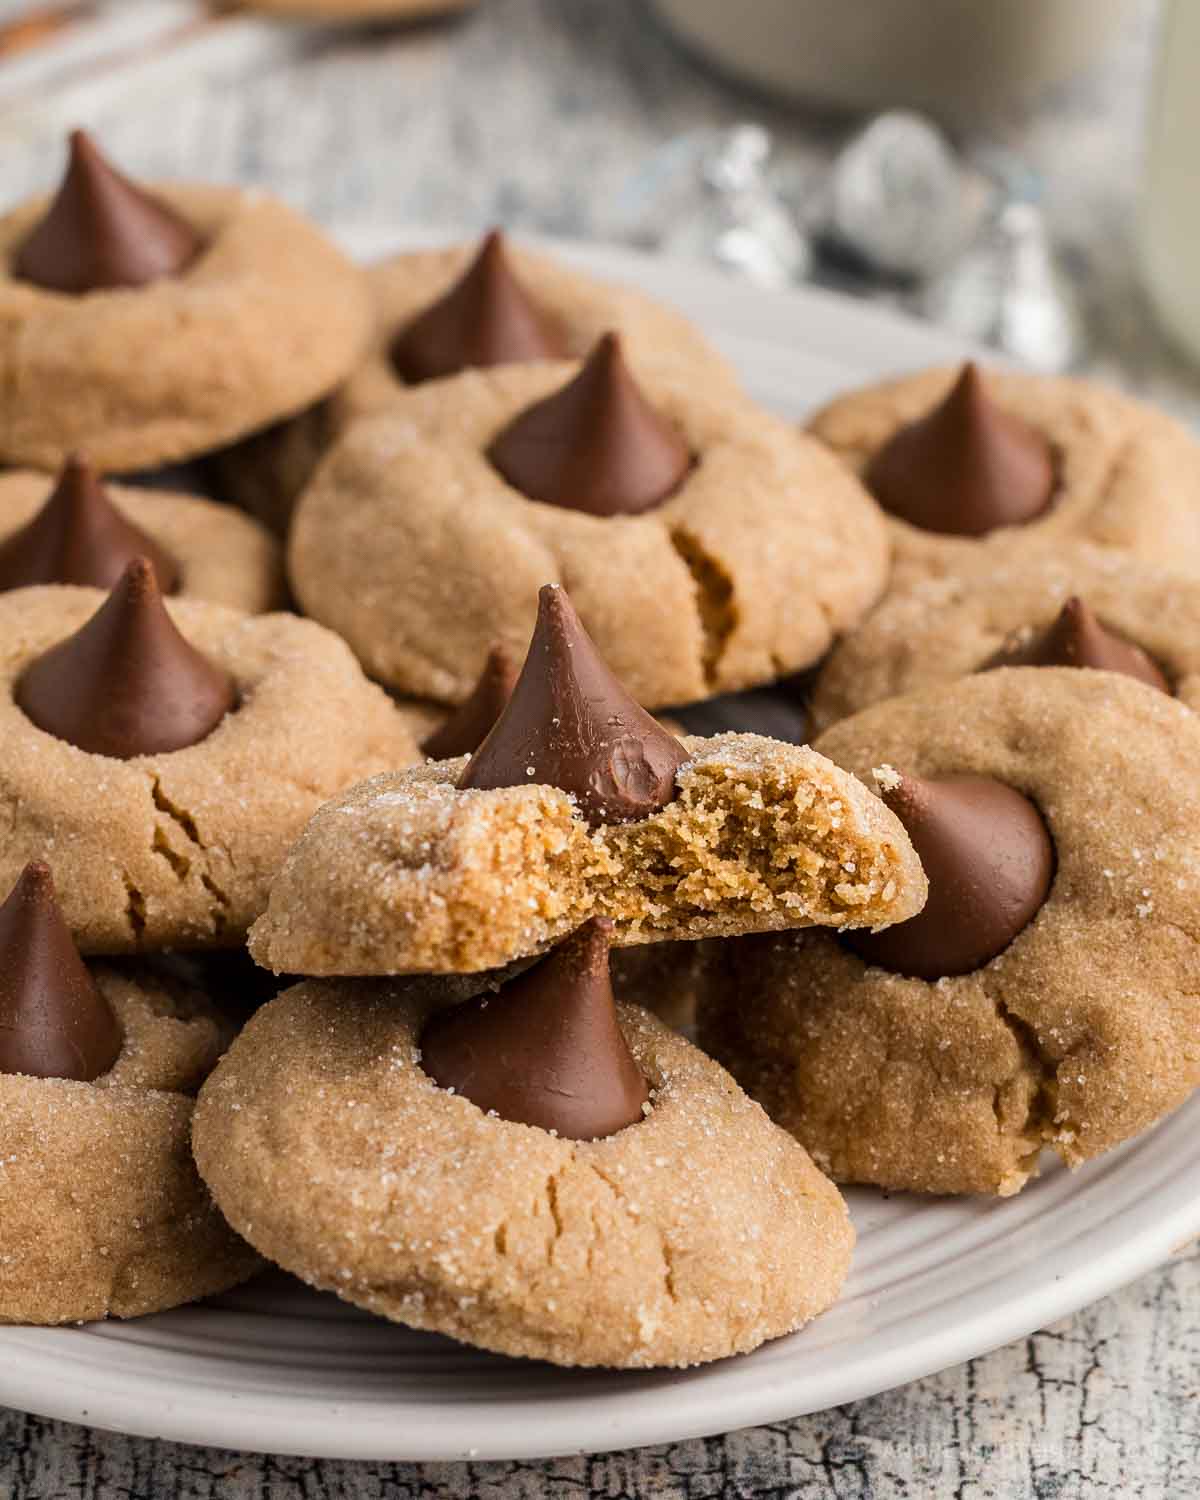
(698, 1232)
(1084, 1031)
(1128, 476)
(101, 1210)
(179, 848)
(406, 873)
(943, 628)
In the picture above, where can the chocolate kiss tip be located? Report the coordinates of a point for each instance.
(547, 1050)
(569, 723)
(990, 863)
(1076, 638)
(595, 445)
(486, 318)
(101, 230)
(127, 683)
(79, 537)
(965, 468)
(54, 1022)
(468, 726)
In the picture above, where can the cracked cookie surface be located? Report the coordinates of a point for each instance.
(696, 1233)
(223, 556)
(406, 873)
(179, 849)
(101, 1211)
(944, 628)
(1128, 475)
(267, 472)
(1084, 1031)
(412, 546)
(267, 319)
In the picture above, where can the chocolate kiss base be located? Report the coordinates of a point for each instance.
(570, 724)
(966, 468)
(596, 445)
(54, 1022)
(469, 725)
(127, 683)
(485, 319)
(1076, 638)
(79, 537)
(547, 1049)
(103, 231)
(990, 863)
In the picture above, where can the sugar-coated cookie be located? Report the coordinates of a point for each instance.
(578, 804)
(1008, 463)
(165, 757)
(438, 312)
(1081, 1031)
(75, 529)
(1000, 608)
(690, 1229)
(101, 1211)
(422, 554)
(146, 328)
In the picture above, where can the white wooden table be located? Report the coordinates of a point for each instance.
(534, 112)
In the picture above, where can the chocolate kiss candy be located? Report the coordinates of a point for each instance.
(102, 230)
(990, 862)
(597, 445)
(54, 1022)
(570, 724)
(547, 1049)
(79, 536)
(965, 468)
(127, 683)
(1076, 638)
(467, 727)
(486, 318)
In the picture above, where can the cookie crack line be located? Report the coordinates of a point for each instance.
(714, 599)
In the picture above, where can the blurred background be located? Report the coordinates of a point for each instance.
(1017, 171)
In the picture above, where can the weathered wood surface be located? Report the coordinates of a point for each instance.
(534, 112)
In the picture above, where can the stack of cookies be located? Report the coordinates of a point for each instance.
(526, 519)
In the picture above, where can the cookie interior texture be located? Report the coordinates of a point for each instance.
(408, 873)
(695, 1233)
(1081, 1033)
(102, 1211)
(939, 629)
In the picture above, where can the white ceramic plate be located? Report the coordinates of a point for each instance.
(276, 1368)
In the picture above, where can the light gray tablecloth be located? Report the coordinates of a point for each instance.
(534, 112)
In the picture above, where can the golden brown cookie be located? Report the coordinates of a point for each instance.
(1081, 1033)
(942, 628)
(407, 873)
(219, 554)
(267, 471)
(266, 319)
(101, 1211)
(178, 848)
(694, 1233)
(411, 545)
(1126, 475)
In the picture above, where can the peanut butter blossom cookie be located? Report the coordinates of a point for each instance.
(1080, 607)
(708, 546)
(577, 804)
(439, 312)
(535, 1171)
(166, 755)
(75, 529)
(969, 466)
(151, 327)
(101, 1211)
(1045, 995)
